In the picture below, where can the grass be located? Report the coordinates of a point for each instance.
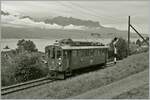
(141, 92)
(92, 80)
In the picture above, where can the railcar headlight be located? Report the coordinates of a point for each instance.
(59, 63)
(59, 59)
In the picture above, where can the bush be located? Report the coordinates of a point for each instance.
(22, 64)
(8, 68)
(28, 67)
(21, 67)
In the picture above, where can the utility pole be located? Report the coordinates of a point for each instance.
(139, 35)
(129, 25)
(128, 52)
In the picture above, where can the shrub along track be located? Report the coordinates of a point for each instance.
(77, 85)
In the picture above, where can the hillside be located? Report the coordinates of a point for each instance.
(21, 26)
(13, 32)
(64, 21)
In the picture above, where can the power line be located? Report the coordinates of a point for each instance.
(87, 10)
(67, 6)
(79, 10)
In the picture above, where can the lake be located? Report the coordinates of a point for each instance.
(41, 43)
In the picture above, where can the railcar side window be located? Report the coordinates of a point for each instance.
(95, 52)
(100, 51)
(86, 52)
(78, 53)
(82, 53)
(91, 52)
(103, 51)
(74, 53)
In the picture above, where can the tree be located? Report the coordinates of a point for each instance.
(121, 46)
(138, 42)
(26, 45)
(147, 39)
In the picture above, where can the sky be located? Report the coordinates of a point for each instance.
(108, 13)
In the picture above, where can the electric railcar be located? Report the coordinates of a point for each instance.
(64, 58)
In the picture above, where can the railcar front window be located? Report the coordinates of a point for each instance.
(65, 54)
(53, 53)
(48, 53)
(58, 54)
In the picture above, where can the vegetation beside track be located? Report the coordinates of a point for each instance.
(141, 92)
(116, 88)
(92, 80)
(22, 64)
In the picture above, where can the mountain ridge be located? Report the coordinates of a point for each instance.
(10, 32)
(73, 31)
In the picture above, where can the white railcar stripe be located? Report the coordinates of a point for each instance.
(82, 47)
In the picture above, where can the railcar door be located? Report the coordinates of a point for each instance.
(67, 59)
(51, 56)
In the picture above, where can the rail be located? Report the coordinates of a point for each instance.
(25, 85)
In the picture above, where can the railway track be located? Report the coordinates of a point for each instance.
(25, 85)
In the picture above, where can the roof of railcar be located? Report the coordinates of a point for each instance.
(82, 47)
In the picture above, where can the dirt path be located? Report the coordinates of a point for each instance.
(117, 88)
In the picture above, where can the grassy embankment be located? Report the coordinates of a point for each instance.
(81, 84)
(86, 82)
(141, 92)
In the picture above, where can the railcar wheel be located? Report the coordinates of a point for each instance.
(61, 76)
(104, 65)
(64, 75)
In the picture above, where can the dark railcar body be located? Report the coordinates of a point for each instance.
(64, 59)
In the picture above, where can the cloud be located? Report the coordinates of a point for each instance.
(18, 21)
(30, 23)
(74, 27)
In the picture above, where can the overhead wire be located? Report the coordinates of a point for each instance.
(108, 16)
(88, 11)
